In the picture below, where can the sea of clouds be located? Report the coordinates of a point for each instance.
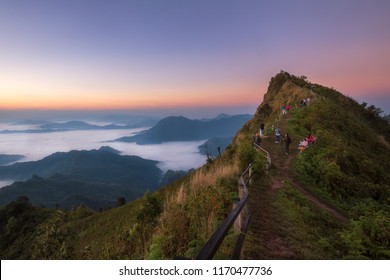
(35, 146)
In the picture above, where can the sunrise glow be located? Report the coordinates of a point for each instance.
(99, 55)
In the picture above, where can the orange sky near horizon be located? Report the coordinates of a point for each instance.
(97, 55)
(104, 100)
(212, 96)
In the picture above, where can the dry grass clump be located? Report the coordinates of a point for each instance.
(206, 177)
(194, 210)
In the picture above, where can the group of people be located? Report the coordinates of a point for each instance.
(304, 102)
(285, 109)
(305, 143)
(286, 139)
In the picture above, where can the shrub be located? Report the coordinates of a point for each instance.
(368, 236)
(246, 155)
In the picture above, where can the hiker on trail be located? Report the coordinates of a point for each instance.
(308, 101)
(256, 139)
(310, 138)
(287, 142)
(303, 145)
(288, 107)
(277, 135)
(261, 129)
(284, 112)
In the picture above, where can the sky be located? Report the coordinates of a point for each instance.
(204, 55)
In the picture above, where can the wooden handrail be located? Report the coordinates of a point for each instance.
(241, 238)
(210, 248)
(265, 152)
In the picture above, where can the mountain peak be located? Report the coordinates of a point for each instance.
(179, 128)
(109, 149)
(222, 116)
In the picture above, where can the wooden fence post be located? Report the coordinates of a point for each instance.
(238, 221)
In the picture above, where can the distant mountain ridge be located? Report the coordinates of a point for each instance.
(65, 192)
(76, 125)
(83, 164)
(179, 128)
(211, 146)
(99, 173)
(6, 159)
(48, 127)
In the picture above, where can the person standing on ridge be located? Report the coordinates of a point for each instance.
(257, 139)
(287, 142)
(277, 135)
(284, 110)
(261, 129)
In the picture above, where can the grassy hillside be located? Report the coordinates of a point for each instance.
(346, 168)
(329, 202)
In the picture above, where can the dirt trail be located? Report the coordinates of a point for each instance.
(282, 164)
(264, 233)
(265, 229)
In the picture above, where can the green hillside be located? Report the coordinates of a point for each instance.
(332, 200)
(329, 202)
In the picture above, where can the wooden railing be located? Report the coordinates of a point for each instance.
(236, 215)
(265, 153)
(243, 220)
(239, 216)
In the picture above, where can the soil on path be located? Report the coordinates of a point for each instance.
(265, 230)
(282, 164)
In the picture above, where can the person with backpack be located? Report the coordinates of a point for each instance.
(262, 129)
(277, 135)
(284, 112)
(257, 139)
(287, 142)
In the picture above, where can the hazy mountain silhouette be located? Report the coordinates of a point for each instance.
(98, 165)
(74, 125)
(171, 176)
(6, 159)
(183, 129)
(67, 192)
(47, 127)
(97, 173)
(211, 145)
